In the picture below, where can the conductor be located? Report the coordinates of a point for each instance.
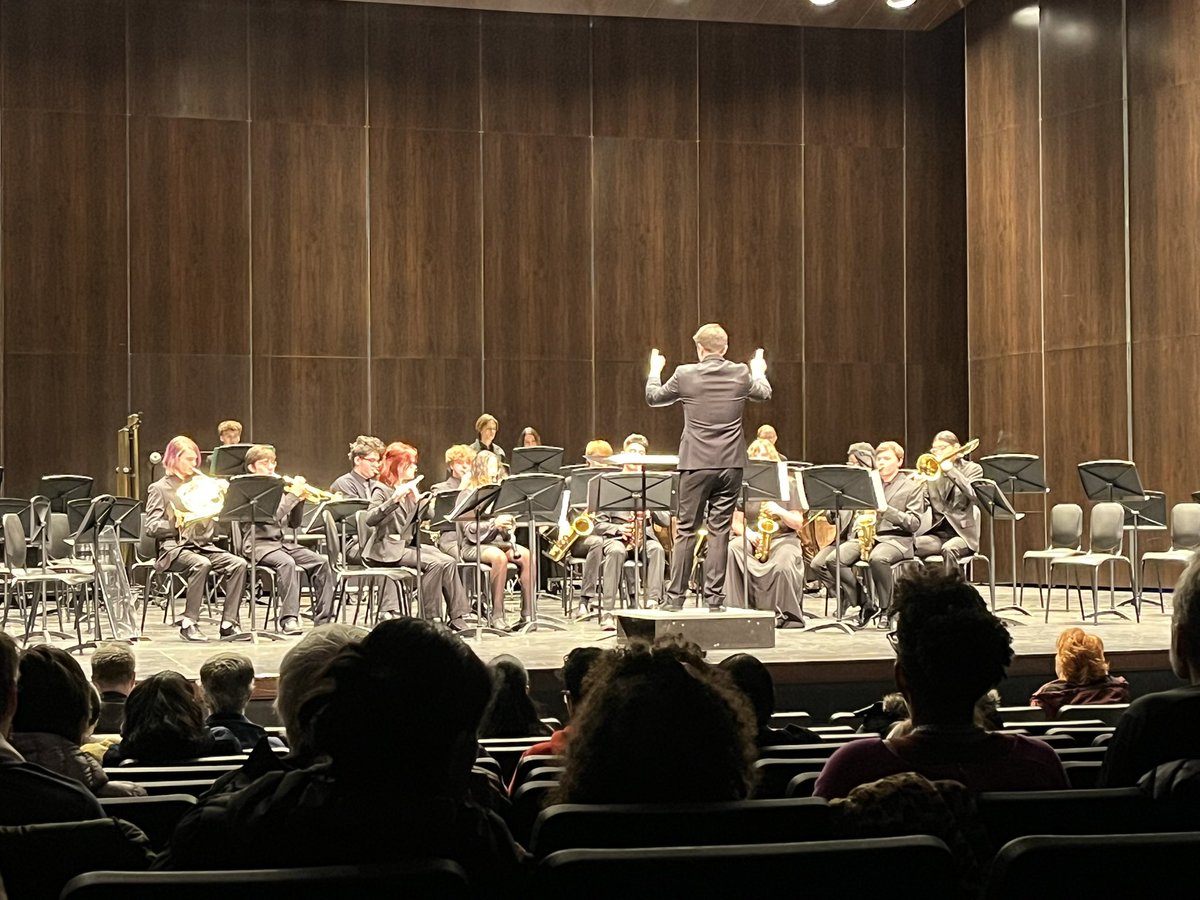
(712, 452)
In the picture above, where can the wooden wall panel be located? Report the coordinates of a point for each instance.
(646, 231)
(872, 113)
(426, 290)
(430, 403)
(62, 412)
(536, 74)
(536, 248)
(307, 62)
(1163, 36)
(217, 387)
(308, 240)
(66, 55)
(621, 409)
(786, 408)
(1166, 383)
(189, 207)
(291, 394)
(423, 67)
(555, 396)
(1002, 67)
(751, 84)
(848, 402)
(1081, 48)
(645, 78)
(751, 241)
(1006, 404)
(188, 58)
(64, 247)
(854, 255)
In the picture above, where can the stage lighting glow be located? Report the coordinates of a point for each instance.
(900, 4)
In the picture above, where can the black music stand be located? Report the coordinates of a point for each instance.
(228, 460)
(838, 489)
(992, 500)
(762, 479)
(442, 504)
(340, 511)
(1117, 481)
(1016, 473)
(541, 459)
(537, 498)
(476, 503)
(250, 500)
(640, 493)
(95, 517)
(62, 489)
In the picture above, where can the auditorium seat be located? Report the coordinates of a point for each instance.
(802, 785)
(156, 816)
(823, 750)
(1118, 866)
(529, 763)
(774, 774)
(1012, 814)
(426, 878)
(1083, 774)
(527, 803)
(144, 774)
(1080, 754)
(815, 869)
(1082, 735)
(574, 825)
(1107, 713)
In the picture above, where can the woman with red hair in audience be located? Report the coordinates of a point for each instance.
(1082, 674)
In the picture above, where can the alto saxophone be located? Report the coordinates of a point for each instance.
(767, 527)
(581, 526)
(864, 532)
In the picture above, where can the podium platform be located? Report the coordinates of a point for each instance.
(734, 629)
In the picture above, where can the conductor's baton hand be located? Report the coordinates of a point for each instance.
(758, 365)
(657, 362)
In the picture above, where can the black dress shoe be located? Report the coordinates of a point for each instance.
(290, 625)
(868, 612)
(192, 633)
(519, 624)
(229, 630)
(457, 625)
(668, 607)
(716, 609)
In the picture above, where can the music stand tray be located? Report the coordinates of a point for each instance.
(1148, 513)
(1117, 480)
(540, 459)
(1020, 473)
(251, 500)
(62, 489)
(228, 460)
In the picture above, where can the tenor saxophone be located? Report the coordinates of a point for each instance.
(581, 526)
(767, 527)
(864, 532)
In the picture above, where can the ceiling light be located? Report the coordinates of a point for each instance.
(820, 2)
(900, 4)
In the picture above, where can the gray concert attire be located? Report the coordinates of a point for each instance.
(287, 560)
(476, 535)
(353, 486)
(955, 531)
(391, 544)
(448, 540)
(712, 454)
(478, 445)
(777, 584)
(194, 554)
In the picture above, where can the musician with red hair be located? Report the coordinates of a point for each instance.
(394, 532)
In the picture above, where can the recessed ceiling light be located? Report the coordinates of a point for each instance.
(820, 2)
(900, 4)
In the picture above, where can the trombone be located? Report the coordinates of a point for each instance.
(929, 465)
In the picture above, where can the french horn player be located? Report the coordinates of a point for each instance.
(181, 510)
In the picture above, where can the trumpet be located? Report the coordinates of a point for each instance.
(581, 526)
(303, 489)
(929, 465)
(767, 527)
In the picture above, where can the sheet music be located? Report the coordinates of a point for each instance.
(801, 496)
(877, 488)
(785, 492)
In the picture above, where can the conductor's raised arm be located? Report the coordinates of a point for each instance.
(657, 393)
(760, 388)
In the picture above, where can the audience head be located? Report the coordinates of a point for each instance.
(229, 431)
(597, 448)
(459, 459)
(228, 682)
(1079, 657)
(753, 679)
(300, 677)
(762, 449)
(654, 729)
(9, 670)
(401, 708)
(164, 721)
(711, 340)
(860, 454)
(53, 695)
(510, 712)
(181, 457)
(576, 666)
(366, 455)
(486, 428)
(1185, 624)
(398, 461)
(767, 433)
(950, 650)
(530, 437)
(114, 668)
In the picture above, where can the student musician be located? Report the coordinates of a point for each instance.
(530, 437)
(229, 432)
(286, 558)
(486, 429)
(366, 455)
(394, 498)
(862, 455)
(896, 525)
(604, 550)
(458, 466)
(653, 553)
(955, 531)
(189, 548)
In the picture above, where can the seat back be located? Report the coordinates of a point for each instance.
(156, 816)
(1107, 532)
(575, 825)
(364, 533)
(1185, 526)
(1066, 526)
(527, 764)
(774, 774)
(59, 530)
(814, 869)
(147, 547)
(14, 541)
(1013, 814)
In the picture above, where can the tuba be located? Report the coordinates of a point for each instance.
(767, 527)
(581, 526)
(198, 500)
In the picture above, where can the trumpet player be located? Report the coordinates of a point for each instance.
(393, 501)
(955, 531)
(285, 558)
(189, 548)
(776, 582)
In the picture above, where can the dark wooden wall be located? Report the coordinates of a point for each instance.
(326, 218)
(1069, 322)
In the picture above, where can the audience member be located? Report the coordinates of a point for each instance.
(882, 715)
(654, 729)
(398, 717)
(164, 723)
(754, 680)
(228, 682)
(54, 712)
(1164, 726)
(576, 666)
(113, 674)
(32, 794)
(511, 712)
(950, 651)
(1082, 674)
(987, 716)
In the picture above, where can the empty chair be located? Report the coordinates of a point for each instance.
(1106, 537)
(528, 801)
(1096, 867)
(1185, 541)
(817, 868)
(1066, 539)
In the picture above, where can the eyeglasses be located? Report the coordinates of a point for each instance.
(894, 640)
(374, 460)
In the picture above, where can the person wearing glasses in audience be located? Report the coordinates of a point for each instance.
(188, 547)
(286, 558)
(394, 499)
(458, 466)
(486, 428)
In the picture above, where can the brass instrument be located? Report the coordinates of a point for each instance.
(636, 537)
(306, 491)
(580, 526)
(699, 554)
(864, 532)
(767, 527)
(129, 460)
(198, 500)
(929, 465)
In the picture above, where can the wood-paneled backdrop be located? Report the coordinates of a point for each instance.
(1085, 344)
(326, 218)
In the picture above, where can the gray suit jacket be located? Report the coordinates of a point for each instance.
(714, 393)
(899, 522)
(953, 497)
(389, 538)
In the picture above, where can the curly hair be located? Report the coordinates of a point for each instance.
(164, 721)
(1079, 657)
(653, 729)
(951, 648)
